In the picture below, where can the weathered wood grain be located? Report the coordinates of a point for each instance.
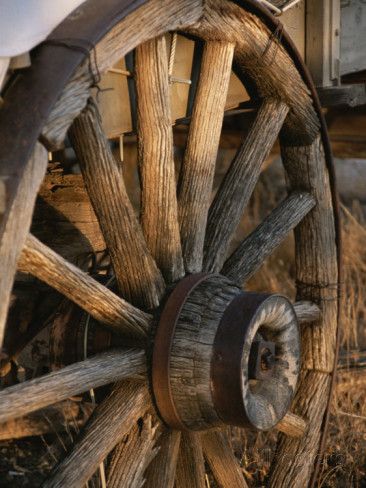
(111, 420)
(237, 187)
(292, 425)
(76, 378)
(294, 458)
(251, 253)
(48, 420)
(64, 218)
(156, 18)
(191, 465)
(159, 212)
(162, 469)
(316, 253)
(15, 223)
(261, 58)
(102, 304)
(196, 177)
(307, 312)
(133, 454)
(137, 275)
(221, 459)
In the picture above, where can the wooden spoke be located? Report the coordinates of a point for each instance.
(307, 312)
(159, 214)
(221, 459)
(16, 219)
(137, 275)
(45, 421)
(51, 388)
(132, 455)
(237, 187)
(198, 168)
(162, 469)
(191, 465)
(111, 420)
(292, 425)
(94, 298)
(260, 244)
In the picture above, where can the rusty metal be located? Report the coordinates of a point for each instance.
(226, 365)
(162, 349)
(261, 360)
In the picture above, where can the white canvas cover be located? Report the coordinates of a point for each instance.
(26, 23)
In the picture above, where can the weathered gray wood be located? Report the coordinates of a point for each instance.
(76, 378)
(111, 420)
(221, 459)
(317, 280)
(191, 353)
(260, 56)
(261, 243)
(102, 304)
(133, 454)
(307, 312)
(316, 253)
(237, 187)
(294, 458)
(191, 465)
(137, 275)
(56, 223)
(159, 212)
(48, 420)
(162, 469)
(15, 223)
(196, 178)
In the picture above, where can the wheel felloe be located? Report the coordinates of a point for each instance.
(224, 356)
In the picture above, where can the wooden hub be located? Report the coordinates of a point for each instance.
(224, 356)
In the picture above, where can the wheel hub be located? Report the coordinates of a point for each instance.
(224, 356)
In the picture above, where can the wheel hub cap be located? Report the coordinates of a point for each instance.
(224, 356)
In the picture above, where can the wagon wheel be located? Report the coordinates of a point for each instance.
(180, 295)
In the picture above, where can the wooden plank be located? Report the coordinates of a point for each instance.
(102, 304)
(261, 243)
(237, 187)
(221, 459)
(159, 212)
(133, 454)
(111, 420)
(76, 378)
(15, 223)
(161, 471)
(196, 178)
(191, 465)
(137, 275)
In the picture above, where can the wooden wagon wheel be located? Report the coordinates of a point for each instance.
(179, 294)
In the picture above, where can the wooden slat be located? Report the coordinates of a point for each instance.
(102, 304)
(198, 167)
(159, 213)
(191, 465)
(161, 471)
(239, 182)
(15, 222)
(137, 275)
(76, 378)
(48, 420)
(133, 454)
(307, 312)
(111, 420)
(261, 243)
(221, 459)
